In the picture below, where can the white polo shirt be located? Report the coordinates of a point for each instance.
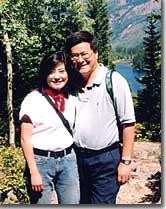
(96, 126)
(49, 133)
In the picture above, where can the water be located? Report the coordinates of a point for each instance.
(127, 71)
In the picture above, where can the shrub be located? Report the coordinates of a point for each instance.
(3, 141)
(11, 180)
(141, 133)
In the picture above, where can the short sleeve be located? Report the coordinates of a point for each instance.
(123, 99)
(29, 106)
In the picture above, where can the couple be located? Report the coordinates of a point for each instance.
(78, 91)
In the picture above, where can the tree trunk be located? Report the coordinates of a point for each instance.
(10, 90)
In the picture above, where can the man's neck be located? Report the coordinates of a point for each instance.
(89, 79)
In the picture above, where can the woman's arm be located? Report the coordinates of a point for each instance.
(26, 134)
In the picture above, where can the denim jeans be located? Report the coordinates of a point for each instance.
(58, 173)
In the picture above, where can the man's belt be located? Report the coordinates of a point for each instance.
(91, 152)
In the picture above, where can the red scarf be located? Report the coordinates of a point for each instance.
(59, 99)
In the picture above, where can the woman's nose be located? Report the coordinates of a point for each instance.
(55, 75)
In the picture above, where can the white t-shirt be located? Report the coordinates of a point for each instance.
(49, 133)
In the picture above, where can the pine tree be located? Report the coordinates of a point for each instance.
(149, 98)
(99, 12)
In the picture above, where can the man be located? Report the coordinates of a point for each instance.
(103, 166)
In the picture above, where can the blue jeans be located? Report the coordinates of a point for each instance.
(98, 177)
(58, 173)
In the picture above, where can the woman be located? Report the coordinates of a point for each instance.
(47, 144)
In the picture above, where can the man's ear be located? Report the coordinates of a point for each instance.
(96, 52)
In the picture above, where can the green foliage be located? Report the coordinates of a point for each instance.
(148, 109)
(98, 11)
(138, 58)
(3, 141)
(11, 178)
(141, 133)
(135, 55)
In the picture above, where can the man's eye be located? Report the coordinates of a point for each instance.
(85, 54)
(74, 55)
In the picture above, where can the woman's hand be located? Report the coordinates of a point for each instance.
(36, 182)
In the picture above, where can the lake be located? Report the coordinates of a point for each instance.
(127, 71)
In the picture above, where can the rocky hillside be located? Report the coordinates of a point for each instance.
(128, 19)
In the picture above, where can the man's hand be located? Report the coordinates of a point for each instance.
(124, 173)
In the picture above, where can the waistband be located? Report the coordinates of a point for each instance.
(90, 152)
(52, 153)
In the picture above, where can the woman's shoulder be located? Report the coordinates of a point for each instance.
(33, 95)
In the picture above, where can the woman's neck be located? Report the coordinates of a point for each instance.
(52, 91)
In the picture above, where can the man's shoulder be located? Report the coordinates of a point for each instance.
(103, 68)
(108, 70)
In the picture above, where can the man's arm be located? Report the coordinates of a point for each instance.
(124, 171)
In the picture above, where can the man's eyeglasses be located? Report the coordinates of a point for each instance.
(84, 55)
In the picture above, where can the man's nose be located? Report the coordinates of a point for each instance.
(80, 59)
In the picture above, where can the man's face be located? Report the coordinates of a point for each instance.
(84, 58)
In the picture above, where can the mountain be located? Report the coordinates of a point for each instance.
(128, 19)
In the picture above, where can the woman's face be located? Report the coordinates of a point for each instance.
(58, 77)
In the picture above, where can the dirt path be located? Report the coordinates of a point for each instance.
(145, 185)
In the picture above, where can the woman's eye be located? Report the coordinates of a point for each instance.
(62, 71)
